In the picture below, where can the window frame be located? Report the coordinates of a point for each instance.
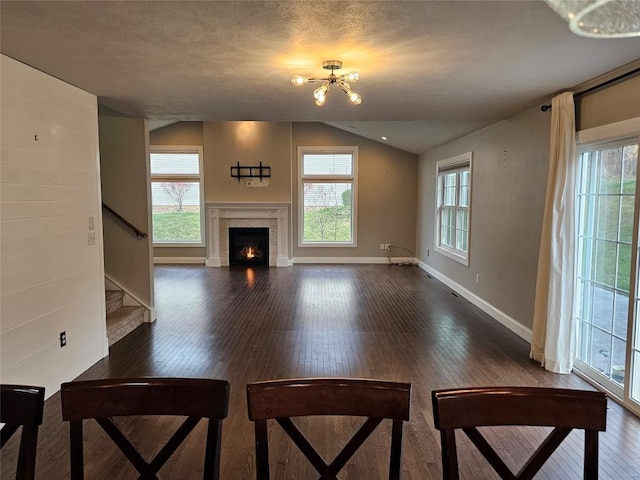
(328, 178)
(458, 163)
(176, 178)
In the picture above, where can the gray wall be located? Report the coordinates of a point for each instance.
(510, 163)
(226, 143)
(508, 194)
(387, 177)
(124, 173)
(387, 192)
(181, 133)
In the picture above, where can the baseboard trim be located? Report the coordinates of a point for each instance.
(361, 260)
(178, 260)
(509, 322)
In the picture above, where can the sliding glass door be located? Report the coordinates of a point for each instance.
(634, 360)
(608, 341)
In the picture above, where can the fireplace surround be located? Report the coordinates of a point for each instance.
(222, 216)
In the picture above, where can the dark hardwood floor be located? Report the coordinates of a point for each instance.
(371, 321)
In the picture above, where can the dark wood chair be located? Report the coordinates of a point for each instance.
(22, 406)
(195, 398)
(563, 409)
(283, 399)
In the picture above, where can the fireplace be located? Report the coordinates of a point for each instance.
(248, 246)
(222, 216)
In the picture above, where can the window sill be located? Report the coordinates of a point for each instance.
(327, 244)
(464, 260)
(179, 245)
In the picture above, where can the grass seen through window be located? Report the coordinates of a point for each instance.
(173, 227)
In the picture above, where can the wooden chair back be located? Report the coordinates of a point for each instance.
(563, 409)
(283, 399)
(22, 406)
(194, 398)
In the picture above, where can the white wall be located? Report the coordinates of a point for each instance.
(52, 280)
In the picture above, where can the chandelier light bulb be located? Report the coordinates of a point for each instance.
(355, 98)
(352, 77)
(298, 80)
(320, 100)
(321, 91)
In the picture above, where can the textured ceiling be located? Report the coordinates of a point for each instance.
(430, 71)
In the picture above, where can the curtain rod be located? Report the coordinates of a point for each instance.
(630, 73)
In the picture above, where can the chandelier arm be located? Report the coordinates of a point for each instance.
(345, 87)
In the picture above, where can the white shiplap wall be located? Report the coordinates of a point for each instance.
(51, 279)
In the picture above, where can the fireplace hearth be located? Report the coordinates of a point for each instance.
(248, 246)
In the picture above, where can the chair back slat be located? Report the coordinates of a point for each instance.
(194, 398)
(144, 396)
(474, 407)
(328, 396)
(282, 400)
(563, 409)
(22, 406)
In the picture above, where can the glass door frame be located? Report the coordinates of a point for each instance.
(590, 140)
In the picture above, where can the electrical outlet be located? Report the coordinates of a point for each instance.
(92, 223)
(91, 238)
(387, 246)
(382, 246)
(63, 339)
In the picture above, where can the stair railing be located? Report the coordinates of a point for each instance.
(133, 228)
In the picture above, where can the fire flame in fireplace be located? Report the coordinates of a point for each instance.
(250, 252)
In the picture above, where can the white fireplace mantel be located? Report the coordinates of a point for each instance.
(274, 216)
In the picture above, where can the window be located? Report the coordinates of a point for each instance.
(327, 193)
(453, 207)
(177, 196)
(608, 350)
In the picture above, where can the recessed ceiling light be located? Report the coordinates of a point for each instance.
(383, 138)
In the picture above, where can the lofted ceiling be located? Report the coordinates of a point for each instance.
(431, 71)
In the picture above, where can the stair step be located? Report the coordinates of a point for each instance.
(123, 321)
(113, 300)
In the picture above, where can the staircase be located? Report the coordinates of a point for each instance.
(121, 320)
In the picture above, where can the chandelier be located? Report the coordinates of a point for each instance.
(600, 18)
(342, 81)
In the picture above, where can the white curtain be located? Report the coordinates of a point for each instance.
(553, 342)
